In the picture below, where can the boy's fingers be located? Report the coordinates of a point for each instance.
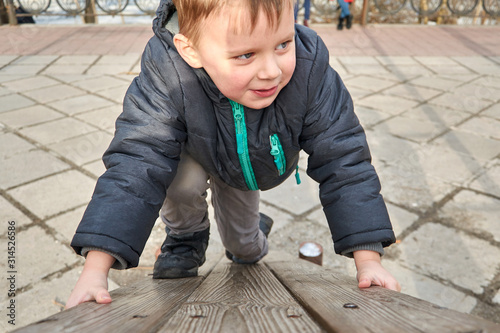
(103, 297)
(364, 282)
(393, 285)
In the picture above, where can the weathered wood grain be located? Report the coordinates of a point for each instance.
(324, 295)
(241, 298)
(140, 307)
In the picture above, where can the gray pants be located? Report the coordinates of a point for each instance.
(185, 210)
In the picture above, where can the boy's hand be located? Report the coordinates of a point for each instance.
(93, 282)
(371, 272)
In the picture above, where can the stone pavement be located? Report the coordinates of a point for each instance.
(429, 98)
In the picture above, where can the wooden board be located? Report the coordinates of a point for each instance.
(336, 302)
(239, 299)
(140, 307)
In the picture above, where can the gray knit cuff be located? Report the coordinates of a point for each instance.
(119, 263)
(376, 247)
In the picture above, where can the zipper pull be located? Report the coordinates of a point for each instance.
(297, 176)
(238, 117)
(237, 111)
(275, 151)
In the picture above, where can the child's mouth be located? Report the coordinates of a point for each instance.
(266, 92)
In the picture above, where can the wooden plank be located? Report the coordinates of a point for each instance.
(140, 307)
(241, 298)
(326, 296)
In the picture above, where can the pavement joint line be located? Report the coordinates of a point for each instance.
(9, 63)
(23, 209)
(47, 66)
(92, 64)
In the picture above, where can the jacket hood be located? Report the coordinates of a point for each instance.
(166, 22)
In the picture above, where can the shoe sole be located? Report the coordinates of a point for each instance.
(175, 273)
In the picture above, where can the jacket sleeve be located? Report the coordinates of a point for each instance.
(339, 159)
(141, 162)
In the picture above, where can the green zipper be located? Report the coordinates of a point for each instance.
(278, 154)
(242, 145)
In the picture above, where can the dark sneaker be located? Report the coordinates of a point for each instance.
(182, 255)
(340, 26)
(265, 225)
(348, 24)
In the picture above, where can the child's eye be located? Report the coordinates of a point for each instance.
(282, 46)
(245, 56)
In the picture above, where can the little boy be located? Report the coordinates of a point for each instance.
(231, 98)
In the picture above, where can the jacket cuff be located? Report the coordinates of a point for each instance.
(119, 263)
(376, 247)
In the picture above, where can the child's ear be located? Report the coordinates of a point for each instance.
(187, 51)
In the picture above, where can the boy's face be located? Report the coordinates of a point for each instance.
(248, 67)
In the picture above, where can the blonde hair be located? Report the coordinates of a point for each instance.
(192, 13)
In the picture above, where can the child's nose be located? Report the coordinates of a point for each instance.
(270, 69)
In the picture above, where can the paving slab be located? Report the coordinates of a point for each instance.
(470, 104)
(55, 194)
(368, 82)
(22, 69)
(30, 83)
(412, 92)
(5, 91)
(29, 116)
(115, 94)
(451, 252)
(31, 165)
(474, 212)
(8, 212)
(39, 263)
(100, 82)
(35, 60)
(64, 226)
(412, 188)
(440, 115)
(421, 286)
(6, 59)
(440, 83)
(489, 181)
(53, 93)
(391, 104)
(84, 148)
(485, 126)
(493, 111)
(14, 102)
(489, 81)
(65, 69)
(57, 130)
(401, 219)
(479, 91)
(79, 104)
(435, 161)
(470, 143)
(294, 198)
(11, 144)
(387, 148)
(412, 129)
(369, 117)
(95, 168)
(101, 69)
(358, 93)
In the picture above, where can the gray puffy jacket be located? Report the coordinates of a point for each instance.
(171, 106)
